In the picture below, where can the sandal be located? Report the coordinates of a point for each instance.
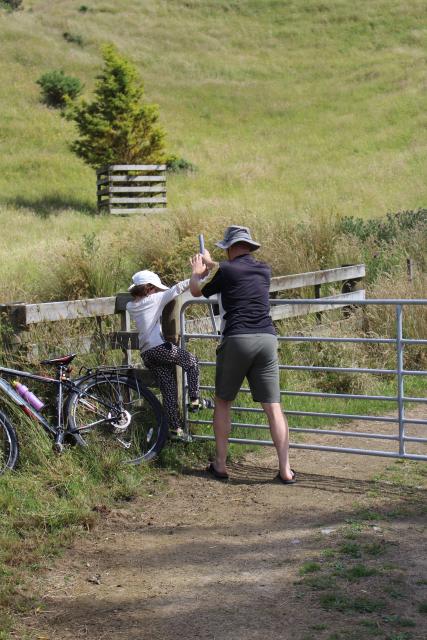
(217, 474)
(285, 481)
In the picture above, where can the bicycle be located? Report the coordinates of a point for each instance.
(108, 403)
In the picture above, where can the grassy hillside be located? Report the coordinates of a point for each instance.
(287, 108)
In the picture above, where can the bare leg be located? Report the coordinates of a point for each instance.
(222, 429)
(280, 436)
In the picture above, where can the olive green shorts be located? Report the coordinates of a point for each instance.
(252, 356)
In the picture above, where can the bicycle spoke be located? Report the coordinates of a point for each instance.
(115, 412)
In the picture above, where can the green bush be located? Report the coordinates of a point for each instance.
(74, 38)
(385, 229)
(179, 165)
(118, 126)
(57, 88)
(13, 5)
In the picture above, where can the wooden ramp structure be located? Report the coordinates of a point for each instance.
(125, 189)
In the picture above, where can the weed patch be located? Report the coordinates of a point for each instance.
(352, 549)
(309, 567)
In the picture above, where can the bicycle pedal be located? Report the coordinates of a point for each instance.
(199, 405)
(58, 447)
(176, 433)
(182, 436)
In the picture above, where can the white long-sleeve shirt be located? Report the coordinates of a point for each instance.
(147, 313)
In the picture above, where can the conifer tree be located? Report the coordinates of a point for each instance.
(118, 127)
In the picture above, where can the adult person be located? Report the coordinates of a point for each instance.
(248, 347)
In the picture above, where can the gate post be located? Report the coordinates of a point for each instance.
(400, 379)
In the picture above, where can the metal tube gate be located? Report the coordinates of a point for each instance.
(399, 400)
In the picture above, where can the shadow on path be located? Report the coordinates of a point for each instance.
(248, 474)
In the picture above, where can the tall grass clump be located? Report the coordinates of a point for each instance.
(90, 268)
(382, 320)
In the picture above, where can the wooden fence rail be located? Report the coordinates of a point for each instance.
(20, 317)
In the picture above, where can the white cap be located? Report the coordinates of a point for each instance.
(146, 277)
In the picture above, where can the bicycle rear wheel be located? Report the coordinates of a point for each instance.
(8, 444)
(119, 411)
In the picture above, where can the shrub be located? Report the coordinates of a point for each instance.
(385, 229)
(386, 243)
(74, 38)
(13, 5)
(179, 165)
(118, 126)
(57, 88)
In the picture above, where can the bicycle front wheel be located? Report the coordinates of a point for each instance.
(8, 445)
(114, 410)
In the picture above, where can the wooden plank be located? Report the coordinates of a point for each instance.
(280, 312)
(138, 200)
(311, 278)
(131, 179)
(137, 167)
(126, 212)
(157, 189)
(140, 189)
(127, 178)
(69, 310)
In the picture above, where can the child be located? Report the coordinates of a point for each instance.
(150, 297)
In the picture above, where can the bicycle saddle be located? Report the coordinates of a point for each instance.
(62, 360)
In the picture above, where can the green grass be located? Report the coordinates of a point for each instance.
(309, 567)
(289, 111)
(359, 571)
(339, 602)
(52, 499)
(362, 584)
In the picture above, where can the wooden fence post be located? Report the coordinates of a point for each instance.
(410, 269)
(13, 326)
(172, 333)
(317, 295)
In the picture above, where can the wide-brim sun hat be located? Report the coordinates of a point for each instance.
(235, 234)
(146, 277)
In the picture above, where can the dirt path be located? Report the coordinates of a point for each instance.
(204, 559)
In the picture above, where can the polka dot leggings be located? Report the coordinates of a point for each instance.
(161, 361)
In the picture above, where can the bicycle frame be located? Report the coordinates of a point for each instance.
(17, 399)
(62, 382)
